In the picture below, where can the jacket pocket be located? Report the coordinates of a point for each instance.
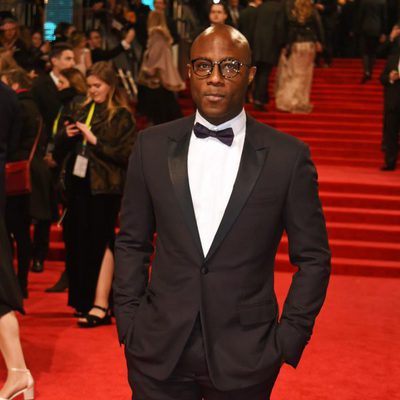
(253, 314)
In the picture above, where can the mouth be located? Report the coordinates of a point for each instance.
(214, 97)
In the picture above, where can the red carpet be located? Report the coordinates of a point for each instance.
(354, 352)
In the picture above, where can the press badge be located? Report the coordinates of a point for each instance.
(81, 165)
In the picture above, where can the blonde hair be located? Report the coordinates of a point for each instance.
(302, 10)
(104, 71)
(157, 21)
(6, 60)
(76, 39)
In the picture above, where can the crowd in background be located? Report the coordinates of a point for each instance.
(86, 87)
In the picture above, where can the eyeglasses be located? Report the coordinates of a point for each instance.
(228, 67)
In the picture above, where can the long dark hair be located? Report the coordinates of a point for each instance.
(104, 71)
(76, 79)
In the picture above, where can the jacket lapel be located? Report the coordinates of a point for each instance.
(253, 158)
(178, 147)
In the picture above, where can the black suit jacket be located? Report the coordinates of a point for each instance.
(247, 23)
(232, 288)
(391, 90)
(269, 32)
(48, 99)
(371, 17)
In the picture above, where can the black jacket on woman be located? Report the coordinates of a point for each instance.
(28, 119)
(108, 159)
(308, 31)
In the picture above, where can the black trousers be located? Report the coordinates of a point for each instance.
(261, 80)
(190, 379)
(18, 226)
(369, 47)
(41, 240)
(391, 130)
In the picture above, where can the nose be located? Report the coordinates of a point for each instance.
(215, 77)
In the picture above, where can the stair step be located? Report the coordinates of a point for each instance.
(364, 232)
(367, 216)
(382, 202)
(350, 266)
(357, 249)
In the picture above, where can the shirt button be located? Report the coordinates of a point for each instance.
(204, 270)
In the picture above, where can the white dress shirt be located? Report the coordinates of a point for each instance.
(212, 171)
(53, 76)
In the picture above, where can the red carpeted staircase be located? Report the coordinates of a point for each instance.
(361, 203)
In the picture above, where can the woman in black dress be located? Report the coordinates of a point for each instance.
(98, 140)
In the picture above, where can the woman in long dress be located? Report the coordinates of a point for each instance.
(97, 143)
(158, 77)
(296, 65)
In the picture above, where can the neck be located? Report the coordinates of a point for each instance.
(219, 120)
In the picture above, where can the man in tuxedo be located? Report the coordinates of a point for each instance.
(219, 188)
(49, 100)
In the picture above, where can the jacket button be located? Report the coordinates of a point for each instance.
(204, 270)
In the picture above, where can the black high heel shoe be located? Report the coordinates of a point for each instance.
(92, 321)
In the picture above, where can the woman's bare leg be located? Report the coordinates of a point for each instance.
(11, 349)
(104, 284)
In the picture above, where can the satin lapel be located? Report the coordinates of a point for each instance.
(177, 163)
(251, 164)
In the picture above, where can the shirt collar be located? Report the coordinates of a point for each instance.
(55, 79)
(237, 123)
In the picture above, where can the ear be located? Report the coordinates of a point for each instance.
(252, 73)
(189, 70)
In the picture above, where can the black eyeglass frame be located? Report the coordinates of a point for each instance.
(213, 63)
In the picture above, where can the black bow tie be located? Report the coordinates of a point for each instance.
(224, 135)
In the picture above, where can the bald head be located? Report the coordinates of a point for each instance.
(223, 33)
(220, 71)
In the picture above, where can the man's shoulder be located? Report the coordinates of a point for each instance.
(43, 81)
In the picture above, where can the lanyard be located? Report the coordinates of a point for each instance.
(90, 115)
(56, 121)
(88, 123)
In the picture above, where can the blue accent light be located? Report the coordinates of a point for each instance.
(149, 3)
(57, 11)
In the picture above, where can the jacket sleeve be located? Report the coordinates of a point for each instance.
(309, 251)
(105, 55)
(389, 66)
(134, 244)
(118, 149)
